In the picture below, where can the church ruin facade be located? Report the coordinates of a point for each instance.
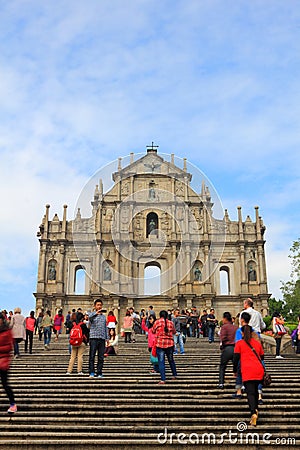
(152, 218)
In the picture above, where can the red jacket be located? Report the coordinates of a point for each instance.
(251, 368)
(6, 346)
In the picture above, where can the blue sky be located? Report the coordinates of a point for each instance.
(83, 83)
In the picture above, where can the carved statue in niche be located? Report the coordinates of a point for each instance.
(152, 225)
(197, 274)
(252, 254)
(52, 270)
(152, 194)
(106, 272)
(107, 216)
(251, 274)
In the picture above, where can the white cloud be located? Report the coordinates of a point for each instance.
(84, 83)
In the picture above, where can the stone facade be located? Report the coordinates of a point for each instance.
(152, 217)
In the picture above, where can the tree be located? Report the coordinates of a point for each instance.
(275, 305)
(291, 289)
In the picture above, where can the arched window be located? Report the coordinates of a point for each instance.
(152, 274)
(79, 282)
(152, 224)
(224, 281)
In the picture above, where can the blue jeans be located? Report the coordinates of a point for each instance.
(47, 335)
(211, 334)
(161, 352)
(260, 386)
(96, 346)
(16, 346)
(238, 380)
(178, 339)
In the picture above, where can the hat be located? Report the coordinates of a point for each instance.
(17, 310)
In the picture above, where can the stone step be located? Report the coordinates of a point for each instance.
(128, 409)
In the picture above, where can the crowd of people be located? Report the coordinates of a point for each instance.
(166, 334)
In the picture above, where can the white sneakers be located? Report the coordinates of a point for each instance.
(279, 357)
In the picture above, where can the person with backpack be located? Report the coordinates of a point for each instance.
(79, 336)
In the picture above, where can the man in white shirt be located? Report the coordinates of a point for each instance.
(256, 321)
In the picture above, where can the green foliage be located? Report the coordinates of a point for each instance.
(268, 321)
(275, 305)
(295, 256)
(291, 289)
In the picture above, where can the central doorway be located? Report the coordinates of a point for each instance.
(152, 279)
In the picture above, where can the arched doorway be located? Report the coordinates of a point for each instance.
(224, 281)
(79, 282)
(152, 279)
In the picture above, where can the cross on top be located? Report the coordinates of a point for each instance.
(152, 147)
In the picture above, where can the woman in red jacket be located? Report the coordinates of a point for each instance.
(250, 352)
(6, 347)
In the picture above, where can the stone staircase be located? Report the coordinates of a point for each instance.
(127, 409)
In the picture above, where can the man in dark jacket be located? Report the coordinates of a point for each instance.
(227, 340)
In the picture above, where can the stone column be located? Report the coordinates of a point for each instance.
(61, 265)
(42, 268)
(64, 223)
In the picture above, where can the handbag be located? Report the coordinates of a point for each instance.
(153, 359)
(267, 380)
(279, 329)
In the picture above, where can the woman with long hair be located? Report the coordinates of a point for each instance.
(113, 341)
(151, 339)
(164, 330)
(250, 352)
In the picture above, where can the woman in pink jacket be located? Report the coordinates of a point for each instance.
(127, 326)
(18, 330)
(151, 340)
